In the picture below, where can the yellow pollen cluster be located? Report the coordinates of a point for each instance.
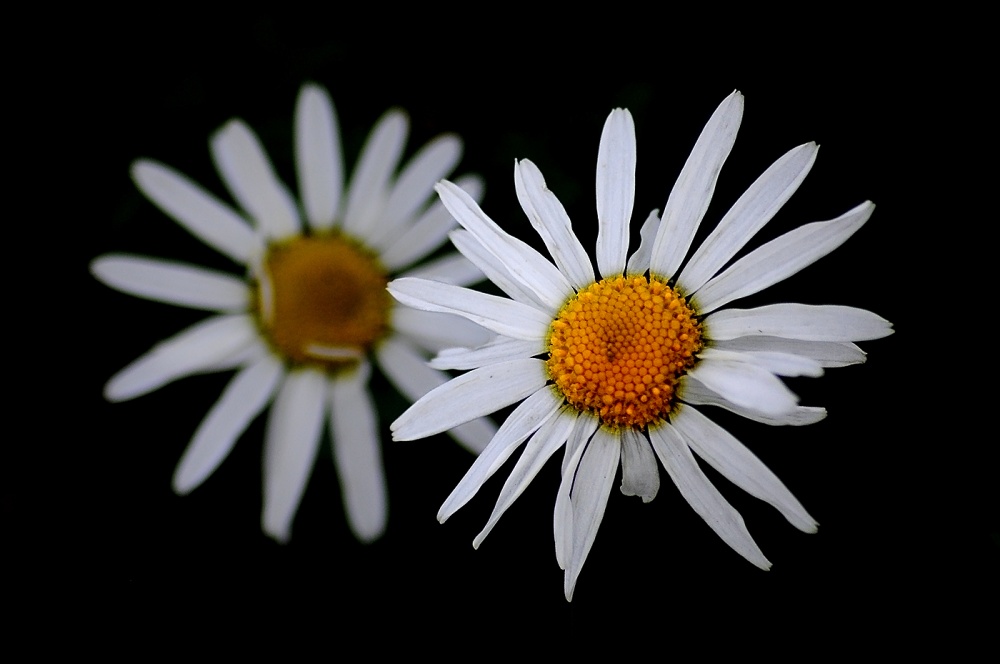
(321, 300)
(618, 348)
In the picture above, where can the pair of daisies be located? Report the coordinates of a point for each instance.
(611, 366)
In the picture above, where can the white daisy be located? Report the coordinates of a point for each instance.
(309, 310)
(614, 366)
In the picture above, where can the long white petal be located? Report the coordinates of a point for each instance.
(693, 391)
(532, 271)
(748, 215)
(474, 394)
(499, 314)
(702, 496)
(291, 442)
(246, 395)
(494, 269)
(358, 453)
(828, 353)
(436, 332)
(744, 383)
(549, 438)
(594, 477)
(251, 180)
(173, 283)
(407, 370)
(191, 351)
(739, 465)
(202, 214)
(640, 476)
(499, 350)
(638, 262)
(318, 158)
(524, 421)
(695, 186)
(429, 231)
(615, 191)
(778, 363)
(780, 258)
(562, 515)
(367, 193)
(415, 186)
(799, 321)
(550, 221)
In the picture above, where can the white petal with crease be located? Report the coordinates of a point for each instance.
(745, 383)
(640, 476)
(615, 191)
(799, 321)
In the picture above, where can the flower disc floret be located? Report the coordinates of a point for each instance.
(322, 300)
(618, 348)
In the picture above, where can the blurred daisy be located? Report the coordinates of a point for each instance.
(302, 322)
(614, 367)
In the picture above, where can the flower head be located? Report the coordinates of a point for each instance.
(614, 366)
(309, 310)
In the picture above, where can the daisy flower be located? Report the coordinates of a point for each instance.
(309, 310)
(615, 366)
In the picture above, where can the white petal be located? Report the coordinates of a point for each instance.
(499, 314)
(532, 271)
(453, 268)
(246, 395)
(615, 191)
(173, 283)
(189, 352)
(318, 158)
(780, 258)
(799, 321)
(828, 353)
(471, 395)
(640, 476)
(549, 219)
(407, 370)
(549, 438)
(587, 424)
(435, 332)
(498, 350)
(357, 453)
(694, 187)
(748, 215)
(739, 465)
(209, 219)
(291, 443)
(524, 421)
(594, 477)
(429, 231)
(415, 186)
(778, 363)
(251, 180)
(694, 391)
(702, 496)
(494, 269)
(638, 262)
(368, 191)
(562, 515)
(744, 383)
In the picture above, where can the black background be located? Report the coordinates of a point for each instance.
(897, 478)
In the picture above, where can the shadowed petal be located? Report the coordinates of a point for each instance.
(357, 453)
(640, 476)
(799, 321)
(291, 443)
(318, 159)
(366, 195)
(173, 283)
(247, 394)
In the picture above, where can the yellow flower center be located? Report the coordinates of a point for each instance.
(618, 347)
(322, 300)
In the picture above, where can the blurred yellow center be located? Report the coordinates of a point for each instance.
(322, 300)
(618, 348)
